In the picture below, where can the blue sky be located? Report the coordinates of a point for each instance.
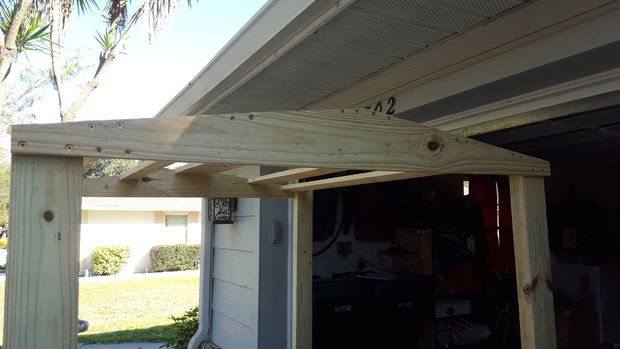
(143, 79)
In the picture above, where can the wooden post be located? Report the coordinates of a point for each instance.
(529, 221)
(302, 271)
(41, 300)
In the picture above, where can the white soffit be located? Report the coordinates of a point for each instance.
(365, 38)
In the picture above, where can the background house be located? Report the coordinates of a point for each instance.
(139, 223)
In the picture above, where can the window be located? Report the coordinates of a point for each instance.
(177, 224)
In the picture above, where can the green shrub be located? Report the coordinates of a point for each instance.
(109, 260)
(175, 257)
(182, 330)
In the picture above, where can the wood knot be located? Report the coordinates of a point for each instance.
(432, 145)
(531, 287)
(48, 216)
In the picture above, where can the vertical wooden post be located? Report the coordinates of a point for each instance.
(531, 244)
(302, 271)
(41, 300)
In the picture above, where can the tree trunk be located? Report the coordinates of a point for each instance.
(8, 47)
(57, 76)
(105, 60)
(70, 114)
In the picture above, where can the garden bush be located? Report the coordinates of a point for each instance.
(175, 257)
(181, 330)
(109, 260)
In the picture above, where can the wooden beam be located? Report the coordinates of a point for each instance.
(292, 174)
(531, 244)
(166, 183)
(144, 168)
(88, 162)
(355, 139)
(205, 169)
(302, 271)
(41, 300)
(355, 179)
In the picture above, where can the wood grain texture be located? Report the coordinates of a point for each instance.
(353, 139)
(302, 271)
(355, 179)
(88, 162)
(292, 174)
(531, 244)
(42, 273)
(205, 169)
(166, 183)
(144, 168)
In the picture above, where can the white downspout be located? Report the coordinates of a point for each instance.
(206, 268)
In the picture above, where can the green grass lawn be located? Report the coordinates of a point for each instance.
(132, 310)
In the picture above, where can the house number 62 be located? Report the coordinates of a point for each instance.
(391, 103)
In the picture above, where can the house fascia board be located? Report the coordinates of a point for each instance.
(275, 29)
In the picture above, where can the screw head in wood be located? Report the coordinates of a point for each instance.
(69, 147)
(22, 144)
(251, 117)
(48, 216)
(120, 124)
(91, 126)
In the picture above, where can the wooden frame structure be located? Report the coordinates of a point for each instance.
(48, 161)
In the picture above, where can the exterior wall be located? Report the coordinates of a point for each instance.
(273, 282)
(235, 279)
(140, 230)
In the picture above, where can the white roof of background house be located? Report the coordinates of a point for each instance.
(141, 204)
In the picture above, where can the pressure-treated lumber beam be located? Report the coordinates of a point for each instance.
(205, 169)
(166, 183)
(88, 162)
(355, 179)
(355, 139)
(302, 271)
(292, 174)
(41, 300)
(529, 222)
(144, 168)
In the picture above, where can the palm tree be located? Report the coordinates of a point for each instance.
(26, 28)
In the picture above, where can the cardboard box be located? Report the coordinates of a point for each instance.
(419, 245)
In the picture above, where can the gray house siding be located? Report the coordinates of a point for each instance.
(250, 275)
(235, 280)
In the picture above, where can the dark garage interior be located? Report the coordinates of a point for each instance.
(429, 263)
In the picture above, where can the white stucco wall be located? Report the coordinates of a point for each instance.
(140, 230)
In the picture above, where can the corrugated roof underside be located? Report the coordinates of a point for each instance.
(365, 38)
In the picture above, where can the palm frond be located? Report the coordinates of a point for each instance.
(106, 40)
(33, 33)
(161, 10)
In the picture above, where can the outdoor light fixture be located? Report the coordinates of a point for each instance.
(221, 210)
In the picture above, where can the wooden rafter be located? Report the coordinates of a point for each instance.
(340, 139)
(355, 179)
(205, 169)
(292, 174)
(165, 183)
(144, 168)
